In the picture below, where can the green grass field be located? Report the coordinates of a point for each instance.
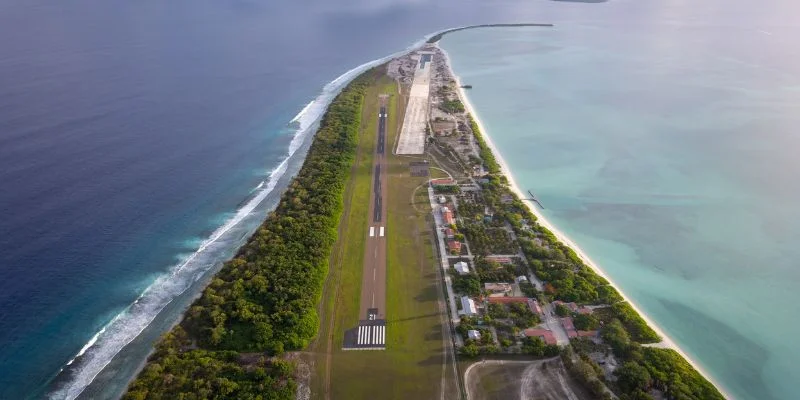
(411, 367)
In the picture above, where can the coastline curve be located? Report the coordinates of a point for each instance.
(505, 170)
(127, 325)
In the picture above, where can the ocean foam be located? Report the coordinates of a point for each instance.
(101, 349)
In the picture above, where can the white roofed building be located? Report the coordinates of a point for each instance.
(462, 268)
(468, 306)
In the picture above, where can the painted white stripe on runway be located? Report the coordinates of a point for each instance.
(359, 336)
(381, 231)
(370, 334)
(371, 231)
(375, 335)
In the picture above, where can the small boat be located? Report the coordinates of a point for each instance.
(466, 86)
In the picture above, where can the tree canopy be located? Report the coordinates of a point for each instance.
(263, 301)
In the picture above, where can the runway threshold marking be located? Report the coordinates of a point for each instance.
(371, 231)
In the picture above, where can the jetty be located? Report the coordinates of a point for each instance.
(535, 200)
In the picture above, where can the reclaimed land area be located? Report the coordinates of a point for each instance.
(412, 364)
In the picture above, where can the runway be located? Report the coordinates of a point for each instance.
(373, 287)
(370, 334)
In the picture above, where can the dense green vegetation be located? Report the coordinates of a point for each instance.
(491, 271)
(446, 189)
(489, 162)
(452, 106)
(536, 347)
(485, 241)
(263, 301)
(517, 313)
(665, 369)
(474, 348)
(202, 374)
(585, 322)
(468, 284)
(673, 375)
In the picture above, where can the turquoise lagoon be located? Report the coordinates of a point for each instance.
(668, 153)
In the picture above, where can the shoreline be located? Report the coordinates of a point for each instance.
(506, 171)
(434, 38)
(71, 386)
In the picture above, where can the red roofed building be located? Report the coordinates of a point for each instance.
(454, 246)
(508, 300)
(534, 306)
(447, 215)
(572, 306)
(449, 233)
(544, 334)
(587, 333)
(569, 326)
(442, 182)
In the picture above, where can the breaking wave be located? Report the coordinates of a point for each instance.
(101, 349)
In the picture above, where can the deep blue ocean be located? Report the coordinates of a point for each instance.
(142, 142)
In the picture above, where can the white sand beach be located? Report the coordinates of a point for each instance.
(667, 342)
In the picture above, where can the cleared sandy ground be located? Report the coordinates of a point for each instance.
(540, 380)
(412, 135)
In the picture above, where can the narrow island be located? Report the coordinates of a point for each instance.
(402, 262)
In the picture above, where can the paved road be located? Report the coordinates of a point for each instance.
(451, 297)
(373, 284)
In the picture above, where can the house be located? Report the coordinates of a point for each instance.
(449, 233)
(442, 199)
(506, 199)
(468, 306)
(574, 307)
(488, 214)
(462, 268)
(569, 326)
(473, 334)
(447, 215)
(571, 306)
(544, 334)
(454, 246)
(497, 289)
(589, 334)
(534, 306)
(522, 278)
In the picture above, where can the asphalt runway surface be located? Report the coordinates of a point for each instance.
(373, 285)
